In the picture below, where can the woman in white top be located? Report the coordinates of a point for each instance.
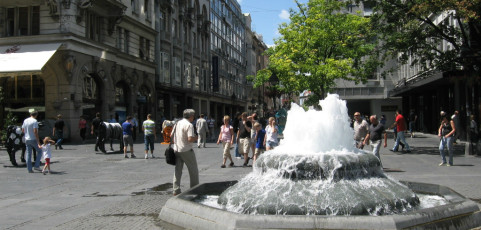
(226, 136)
(271, 134)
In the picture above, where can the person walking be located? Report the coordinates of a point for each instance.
(135, 125)
(375, 136)
(446, 132)
(95, 129)
(226, 136)
(127, 137)
(150, 135)
(243, 134)
(412, 122)
(253, 119)
(58, 131)
(202, 129)
(47, 154)
(30, 129)
(271, 140)
(182, 138)
(361, 130)
(211, 124)
(235, 124)
(473, 135)
(457, 123)
(400, 125)
(260, 141)
(82, 125)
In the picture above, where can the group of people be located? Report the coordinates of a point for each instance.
(249, 135)
(373, 133)
(32, 141)
(128, 134)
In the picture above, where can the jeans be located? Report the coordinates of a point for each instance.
(149, 141)
(446, 142)
(400, 138)
(411, 126)
(59, 134)
(30, 144)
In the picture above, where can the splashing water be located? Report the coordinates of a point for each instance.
(316, 170)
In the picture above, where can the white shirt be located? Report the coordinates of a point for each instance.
(183, 130)
(28, 125)
(270, 134)
(47, 152)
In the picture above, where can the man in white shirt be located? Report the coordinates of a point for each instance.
(182, 138)
(30, 128)
(202, 130)
(361, 130)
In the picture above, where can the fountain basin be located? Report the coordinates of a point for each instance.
(183, 211)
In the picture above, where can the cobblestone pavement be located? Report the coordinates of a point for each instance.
(88, 190)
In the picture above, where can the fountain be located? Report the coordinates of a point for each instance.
(316, 178)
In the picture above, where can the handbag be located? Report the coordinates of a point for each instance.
(170, 153)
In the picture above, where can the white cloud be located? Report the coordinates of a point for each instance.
(284, 15)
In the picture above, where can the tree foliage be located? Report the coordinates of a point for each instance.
(439, 35)
(321, 43)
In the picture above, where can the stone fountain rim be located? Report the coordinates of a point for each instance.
(182, 211)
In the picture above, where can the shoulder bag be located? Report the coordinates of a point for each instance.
(169, 152)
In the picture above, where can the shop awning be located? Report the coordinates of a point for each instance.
(25, 59)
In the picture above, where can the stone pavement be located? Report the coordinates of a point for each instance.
(106, 191)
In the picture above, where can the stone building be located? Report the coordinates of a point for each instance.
(183, 58)
(77, 57)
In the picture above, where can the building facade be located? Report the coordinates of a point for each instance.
(77, 58)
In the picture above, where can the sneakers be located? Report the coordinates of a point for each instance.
(146, 156)
(222, 166)
(126, 156)
(30, 171)
(153, 156)
(231, 164)
(37, 168)
(449, 165)
(244, 165)
(132, 156)
(442, 164)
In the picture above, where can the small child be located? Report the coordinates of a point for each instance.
(47, 153)
(260, 135)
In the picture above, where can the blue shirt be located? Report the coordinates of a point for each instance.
(260, 139)
(126, 128)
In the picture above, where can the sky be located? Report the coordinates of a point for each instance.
(267, 15)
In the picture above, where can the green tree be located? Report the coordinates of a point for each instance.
(321, 43)
(409, 27)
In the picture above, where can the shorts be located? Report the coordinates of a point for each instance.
(47, 161)
(271, 144)
(259, 152)
(149, 141)
(128, 140)
(244, 144)
(226, 153)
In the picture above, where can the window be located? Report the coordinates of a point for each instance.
(119, 94)
(89, 87)
(126, 41)
(93, 26)
(196, 78)
(187, 76)
(22, 21)
(118, 44)
(165, 67)
(178, 70)
(147, 10)
(133, 6)
(144, 48)
(174, 28)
